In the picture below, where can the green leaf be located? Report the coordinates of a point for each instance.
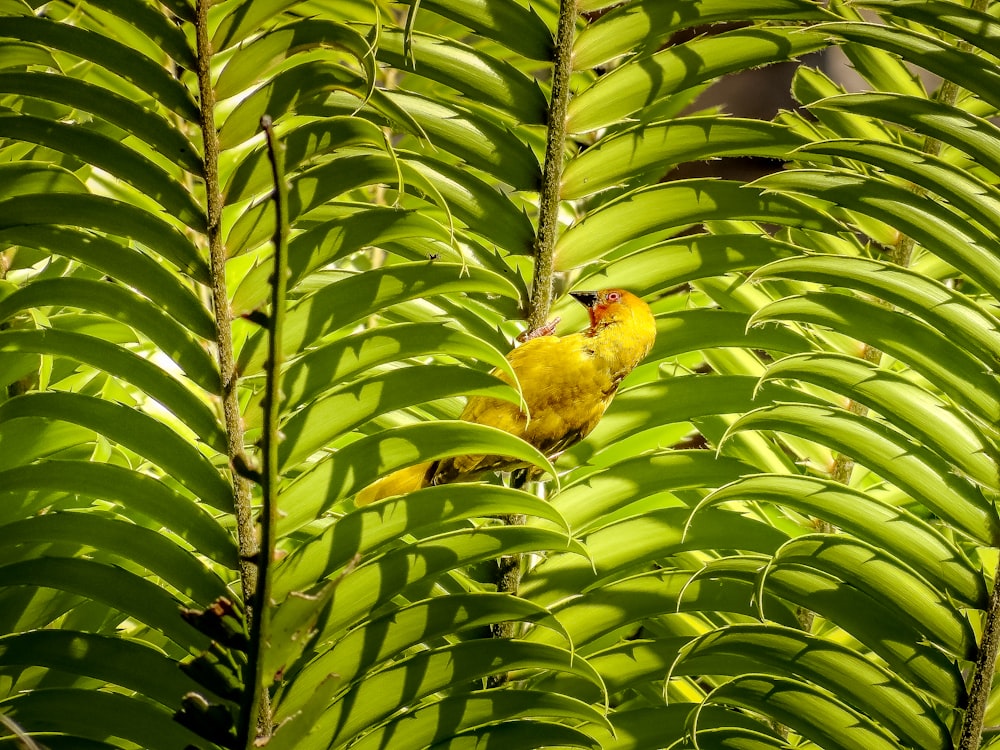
(110, 155)
(117, 588)
(128, 663)
(967, 69)
(407, 627)
(682, 259)
(343, 359)
(135, 430)
(28, 177)
(973, 135)
(362, 462)
(674, 206)
(590, 499)
(482, 206)
(141, 494)
(284, 94)
(442, 719)
(643, 26)
(889, 453)
(145, 74)
(107, 215)
(132, 543)
(927, 350)
(356, 297)
(956, 315)
(830, 723)
(966, 192)
(477, 140)
(407, 681)
(648, 151)
(626, 546)
(333, 240)
(376, 582)
(255, 61)
(904, 404)
(516, 733)
(883, 577)
(876, 623)
(96, 714)
(157, 25)
(369, 529)
(133, 269)
(475, 74)
(142, 122)
(120, 303)
(122, 363)
(303, 144)
(320, 421)
(896, 530)
(518, 29)
(788, 653)
(627, 602)
(307, 191)
(647, 79)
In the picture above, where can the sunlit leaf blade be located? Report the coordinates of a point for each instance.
(122, 112)
(642, 26)
(650, 150)
(139, 494)
(356, 297)
(789, 653)
(114, 586)
(643, 80)
(368, 529)
(906, 536)
(96, 714)
(319, 422)
(121, 362)
(128, 663)
(119, 303)
(107, 215)
(139, 432)
(108, 154)
(883, 577)
(893, 455)
(829, 722)
(673, 206)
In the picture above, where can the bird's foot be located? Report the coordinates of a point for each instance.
(545, 330)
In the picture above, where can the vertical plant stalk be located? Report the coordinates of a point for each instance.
(508, 574)
(552, 168)
(242, 493)
(255, 711)
(220, 304)
(982, 680)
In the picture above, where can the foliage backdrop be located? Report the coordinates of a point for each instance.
(781, 535)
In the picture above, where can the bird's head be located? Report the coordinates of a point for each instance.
(620, 315)
(613, 306)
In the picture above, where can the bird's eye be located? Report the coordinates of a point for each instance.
(614, 296)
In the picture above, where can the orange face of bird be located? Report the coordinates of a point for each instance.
(607, 304)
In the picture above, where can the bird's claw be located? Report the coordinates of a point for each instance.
(544, 330)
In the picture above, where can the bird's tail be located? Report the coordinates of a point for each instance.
(398, 483)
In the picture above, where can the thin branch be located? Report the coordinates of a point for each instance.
(982, 680)
(255, 711)
(508, 572)
(220, 304)
(555, 148)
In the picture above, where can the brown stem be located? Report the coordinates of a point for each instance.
(555, 147)
(508, 571)
(242, 493)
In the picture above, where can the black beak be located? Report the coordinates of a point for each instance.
(587, 299)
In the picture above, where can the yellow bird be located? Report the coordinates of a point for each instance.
(567, 383)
